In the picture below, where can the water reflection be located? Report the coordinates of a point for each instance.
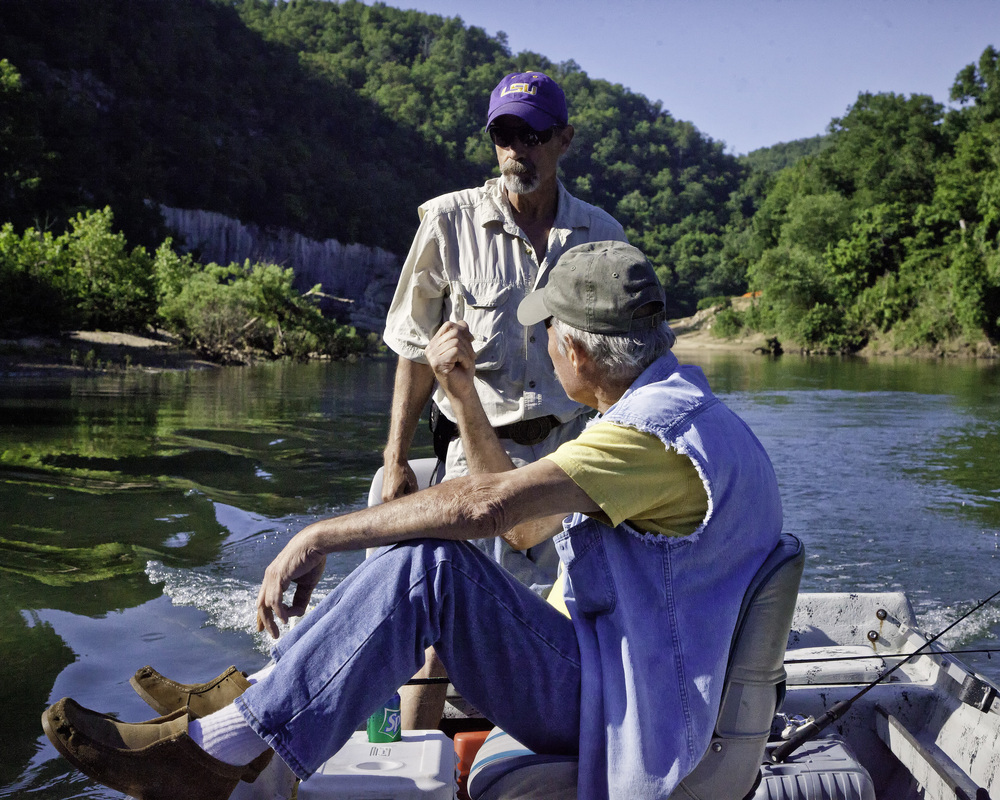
(114, 491)
(138, 512)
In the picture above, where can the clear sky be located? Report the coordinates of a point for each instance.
(750, 73)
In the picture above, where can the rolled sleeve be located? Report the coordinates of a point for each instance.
(418, 305)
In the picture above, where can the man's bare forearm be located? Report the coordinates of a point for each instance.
(412, 388)
(485, 454)
(453, 360)
(472, 507)
(483, 450)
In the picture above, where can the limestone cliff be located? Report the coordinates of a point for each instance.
(357, 281)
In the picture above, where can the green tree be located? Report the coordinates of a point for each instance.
(237, 313)
(115, 286)
(35, 285)
(21, 147)
(784, 154)
(874, 246)
(885, 149)
(85, 277)
(979, 84)
(970, 285)
(815, 222)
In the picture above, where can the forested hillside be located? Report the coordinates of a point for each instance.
(182, 103)
(889, 232)
(335, 119)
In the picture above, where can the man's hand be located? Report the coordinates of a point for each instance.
(397, 480)
(299, 563)
(452, 358)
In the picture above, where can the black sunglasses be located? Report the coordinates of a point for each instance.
(504, 137)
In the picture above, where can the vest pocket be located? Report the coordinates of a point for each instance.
(588, 570)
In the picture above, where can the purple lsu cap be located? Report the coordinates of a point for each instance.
(532, 96)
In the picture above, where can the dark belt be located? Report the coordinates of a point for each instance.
(527, 432)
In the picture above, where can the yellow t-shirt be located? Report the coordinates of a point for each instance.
(632, 476)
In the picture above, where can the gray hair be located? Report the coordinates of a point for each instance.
(621, 357)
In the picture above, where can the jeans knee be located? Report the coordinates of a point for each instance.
(418, 555)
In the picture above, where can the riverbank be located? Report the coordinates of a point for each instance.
(102, 352)
(694, 334)
(96, 352)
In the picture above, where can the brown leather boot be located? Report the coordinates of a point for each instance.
(154, 760)
(200, 699)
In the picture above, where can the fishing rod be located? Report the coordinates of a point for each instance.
(882, 656)
(810, 729)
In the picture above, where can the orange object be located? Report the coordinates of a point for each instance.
(467, 744)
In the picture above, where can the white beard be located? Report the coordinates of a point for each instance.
(518, 178)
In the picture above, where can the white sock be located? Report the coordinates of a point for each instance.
(226, 736)
(262, 673)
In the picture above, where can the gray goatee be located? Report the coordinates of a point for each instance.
(518, 177)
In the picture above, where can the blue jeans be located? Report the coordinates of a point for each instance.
(508, 652)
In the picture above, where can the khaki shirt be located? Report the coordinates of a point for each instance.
(470, 261)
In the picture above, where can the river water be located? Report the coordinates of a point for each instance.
(138, 511)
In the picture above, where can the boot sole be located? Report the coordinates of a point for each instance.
(57, 742)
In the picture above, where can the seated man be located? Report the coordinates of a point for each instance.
(672, 504)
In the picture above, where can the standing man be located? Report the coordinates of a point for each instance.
(476, 254)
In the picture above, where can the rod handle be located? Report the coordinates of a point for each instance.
(808, 731)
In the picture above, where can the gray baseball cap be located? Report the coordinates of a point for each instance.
(599, 287)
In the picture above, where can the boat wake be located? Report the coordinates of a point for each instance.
(226, 590)
(228, 602)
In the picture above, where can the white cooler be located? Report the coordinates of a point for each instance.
(420, 767)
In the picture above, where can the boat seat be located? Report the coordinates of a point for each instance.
(423, 468)
(754, 686)
(824, 768)
(833, 664)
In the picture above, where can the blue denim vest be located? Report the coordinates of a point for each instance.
(654, 614)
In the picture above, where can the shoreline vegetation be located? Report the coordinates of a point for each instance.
(101, 353)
